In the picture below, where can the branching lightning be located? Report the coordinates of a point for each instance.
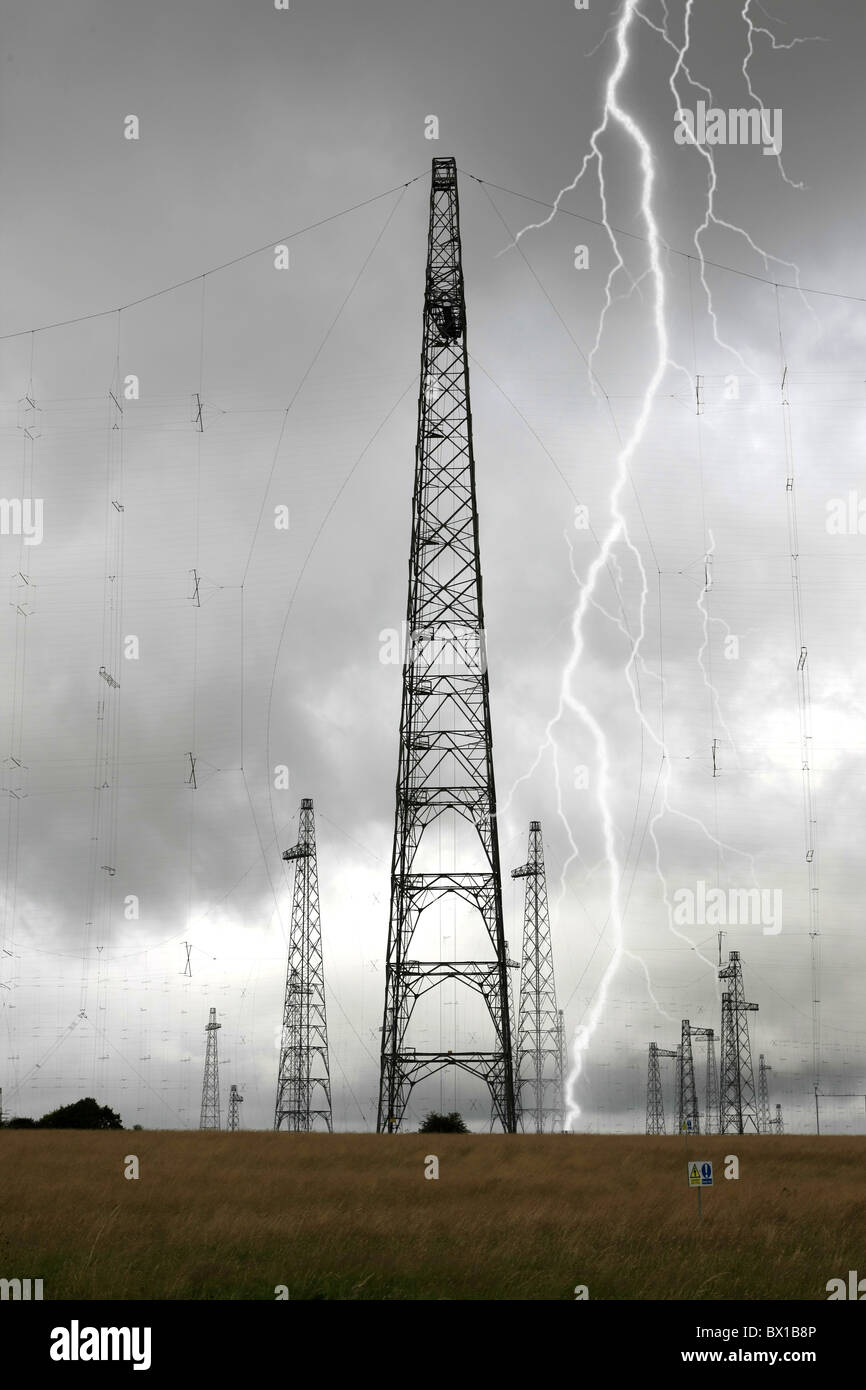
(618, 532)
(751, 30)
(618, 529)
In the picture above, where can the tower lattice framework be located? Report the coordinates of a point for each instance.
(689, 1108)
(235, 1100)
(738, 1109)
(688, 1096)
(655, 1110)
(562, 1052)
(445, 766)
(538, 1070)
(764, 1120)
(304, 1079)
(210, 1091)
(655, 1104)
(711, 1094)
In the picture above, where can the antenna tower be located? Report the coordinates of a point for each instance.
(210, 1091)
(234, 1114)
(711, 1094)
(304, 1079)
(538, 1073)
(738, 1106)
(764, 1120)
(655, 1105)
(445, 769)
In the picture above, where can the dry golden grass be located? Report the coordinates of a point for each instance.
(225, 1216)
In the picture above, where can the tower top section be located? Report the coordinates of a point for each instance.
(445, 173)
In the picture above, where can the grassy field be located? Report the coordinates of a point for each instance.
(225, 1216)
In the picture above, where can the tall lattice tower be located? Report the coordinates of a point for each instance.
(778, 1124)
(445, 769)
(304, 1079)
(210, 1091)
(711, 1093)
(655, 1105)
(688, 1103)
(562, 1054)
(655, 1110)
(738, 1109)
(688, 1094)
(764, 1120)
(235, 1100)
(538, 1071)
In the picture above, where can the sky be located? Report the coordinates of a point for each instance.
(262, 388)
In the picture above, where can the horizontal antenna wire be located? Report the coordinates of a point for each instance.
(236, 260)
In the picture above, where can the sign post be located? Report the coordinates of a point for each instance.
(700, 1176)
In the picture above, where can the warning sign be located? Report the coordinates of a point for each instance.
(700, 1174)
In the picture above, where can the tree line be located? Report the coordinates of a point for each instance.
(82, 1114)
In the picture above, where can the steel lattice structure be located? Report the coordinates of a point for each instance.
(764, 1120)
(445, 764)
(655, 1105)
(234, 1113)
(689, 1108)
(562, 1053)
(210, 1091)
(688, 1093)
(538, 1070)
(304, 1079)
(655, 1109)
(686, 1099)
(738, 1110)
(711, 1094)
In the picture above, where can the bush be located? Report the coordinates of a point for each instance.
(444, 1124)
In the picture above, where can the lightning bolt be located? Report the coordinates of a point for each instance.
(618, 532)
(711, 218)
(751, 30)
(666, 807)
